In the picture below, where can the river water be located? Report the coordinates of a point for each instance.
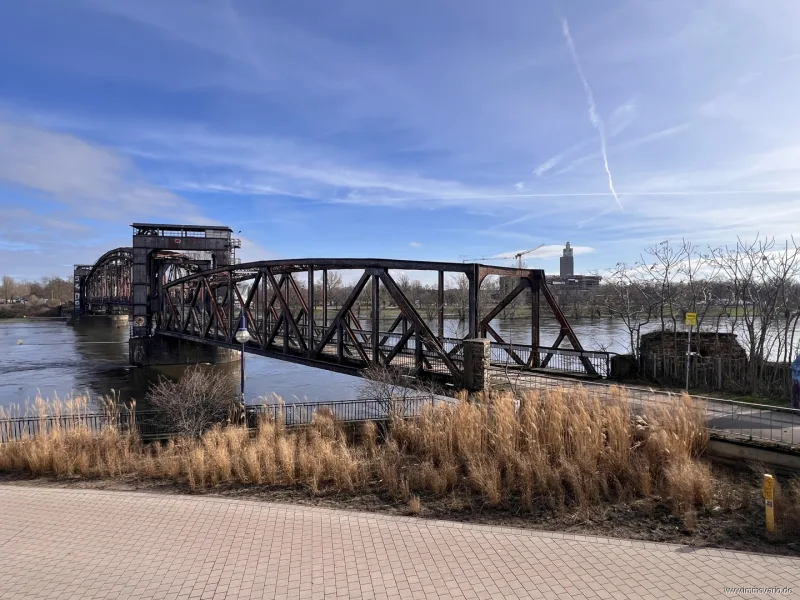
(49, 358)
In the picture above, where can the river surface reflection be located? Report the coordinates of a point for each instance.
(54, 358)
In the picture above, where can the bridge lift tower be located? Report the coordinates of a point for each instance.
(209, 246)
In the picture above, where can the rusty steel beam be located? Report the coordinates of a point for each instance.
(210, 293)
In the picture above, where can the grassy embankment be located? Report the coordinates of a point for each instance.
(562, 452)
(21, 311)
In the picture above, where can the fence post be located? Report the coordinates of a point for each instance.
(719, 373)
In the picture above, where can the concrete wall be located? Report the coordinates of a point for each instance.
(745, 455)
(163, 350)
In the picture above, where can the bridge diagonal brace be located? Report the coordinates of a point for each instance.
(455, 349)
(215, 314)
(356, 343)
(271, 302)
(287, 311)
(348, 303)
(174, 313)
(300, 297)
(504, 302)
(392, 327)
(253, 290)
(566, 329)
(274, 333)
(400, 345)
(193, 317)
(426, 335)
(557, 343)
(507, 347)
(246, 308)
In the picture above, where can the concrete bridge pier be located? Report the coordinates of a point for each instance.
(477, 360)
(99, 321)
(161, 350)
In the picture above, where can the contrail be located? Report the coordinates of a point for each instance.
(593, 116)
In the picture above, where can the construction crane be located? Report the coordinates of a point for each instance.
(518, 256)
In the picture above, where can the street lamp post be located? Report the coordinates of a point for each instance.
(242, 336)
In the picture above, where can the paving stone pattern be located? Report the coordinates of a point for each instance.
(70, 544)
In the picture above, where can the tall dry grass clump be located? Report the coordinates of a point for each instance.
(561, 447)
(556, 448)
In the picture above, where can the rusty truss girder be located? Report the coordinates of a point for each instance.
(285, 319)
(108, 283)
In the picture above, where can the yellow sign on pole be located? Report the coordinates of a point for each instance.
(768, 491)
(691, 318)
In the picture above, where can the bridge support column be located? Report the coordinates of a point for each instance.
(477, 359)
(99, 321)
(164, 350)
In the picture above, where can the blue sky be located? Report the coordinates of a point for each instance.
(423, 130)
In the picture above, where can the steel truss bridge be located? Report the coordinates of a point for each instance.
(182, 281)
(105, 287)
(286, 309)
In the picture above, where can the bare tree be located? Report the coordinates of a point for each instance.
(403, 281)
(629, 298)
(461, 283)
(9, 288)
(396, 389)
(761, 277)
(194, 403)
(662, 268)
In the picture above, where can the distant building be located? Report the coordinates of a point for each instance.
(567, 262)
(575, 282)
(567, 278)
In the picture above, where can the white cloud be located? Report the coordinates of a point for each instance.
(90, 180)
(415, 244)
(547, 165)
(520, 185)
(82, 183)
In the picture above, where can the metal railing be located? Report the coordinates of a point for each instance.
(345, 411)
(149, 425)
(554, 359)
(729, 419)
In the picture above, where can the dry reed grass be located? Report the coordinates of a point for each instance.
(560, 448)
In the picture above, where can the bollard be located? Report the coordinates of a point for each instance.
(768, 492)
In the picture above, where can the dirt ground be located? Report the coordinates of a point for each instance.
(741, 528)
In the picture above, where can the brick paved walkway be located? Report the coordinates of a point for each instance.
(63, 543)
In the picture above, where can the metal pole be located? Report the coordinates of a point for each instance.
(242, 374)
(688, 355)
(242, 325)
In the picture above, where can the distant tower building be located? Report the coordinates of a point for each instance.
(567, 262)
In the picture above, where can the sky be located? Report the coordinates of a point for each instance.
(419, 130)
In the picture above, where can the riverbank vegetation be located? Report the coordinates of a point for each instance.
(556, 453)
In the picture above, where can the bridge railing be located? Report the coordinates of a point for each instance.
(725, 418)
(504, 355)
(553, 359)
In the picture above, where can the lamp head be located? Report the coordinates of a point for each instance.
(242, 335)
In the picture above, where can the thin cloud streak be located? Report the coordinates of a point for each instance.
(365, 199)
(593, 116)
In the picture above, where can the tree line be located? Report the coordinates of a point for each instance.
(47, 288)
(750, 288)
